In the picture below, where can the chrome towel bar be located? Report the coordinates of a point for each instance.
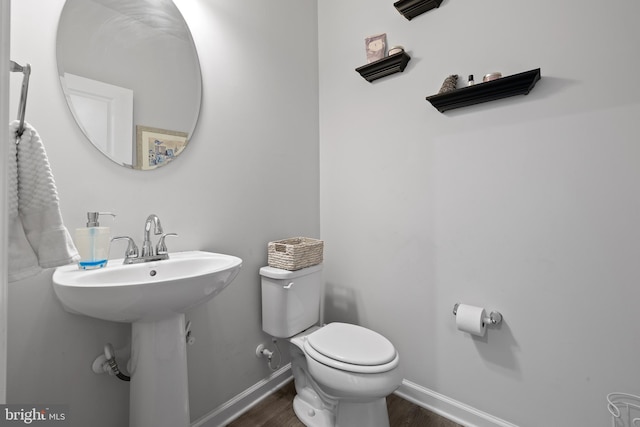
(22, 108)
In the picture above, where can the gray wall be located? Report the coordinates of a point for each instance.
(249, 176)
(529, 205)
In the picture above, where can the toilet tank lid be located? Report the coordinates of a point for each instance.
(352, 344)
(279, 273)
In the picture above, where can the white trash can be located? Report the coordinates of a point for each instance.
(625, 409)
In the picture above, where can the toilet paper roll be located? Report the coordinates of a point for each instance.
(471, 319)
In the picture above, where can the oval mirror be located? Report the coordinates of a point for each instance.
(130, 73)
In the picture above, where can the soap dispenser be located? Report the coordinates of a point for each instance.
(92, 242)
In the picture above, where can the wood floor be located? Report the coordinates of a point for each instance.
(277, 411)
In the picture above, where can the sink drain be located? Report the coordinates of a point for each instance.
(153, 273)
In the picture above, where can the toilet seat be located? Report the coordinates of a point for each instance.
(351, 348)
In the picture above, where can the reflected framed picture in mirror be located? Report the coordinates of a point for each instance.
(156, 147)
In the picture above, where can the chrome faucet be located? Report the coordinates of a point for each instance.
(147, 247)
(147, 253)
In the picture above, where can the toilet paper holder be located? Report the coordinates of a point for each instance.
(494, 318)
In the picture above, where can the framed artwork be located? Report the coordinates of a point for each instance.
(376, 47)
(156, 147)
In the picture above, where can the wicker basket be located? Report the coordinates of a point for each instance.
(295, 253)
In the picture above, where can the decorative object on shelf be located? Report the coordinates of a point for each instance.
(491, 76)
(395, 49)
(412, 8)
(449, 84)
(470, 81)
(376, 47)
(517, 84)
(391, 64)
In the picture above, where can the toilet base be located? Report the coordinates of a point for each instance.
(370, 414)
(349, 414)
(310, 416)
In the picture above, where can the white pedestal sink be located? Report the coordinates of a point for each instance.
(153, 297)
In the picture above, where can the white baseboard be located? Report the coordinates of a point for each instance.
(449, 408)
(435, 402)
(235, 407)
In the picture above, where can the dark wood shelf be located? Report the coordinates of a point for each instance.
(517, 84)
(412, 8)
(391, 64)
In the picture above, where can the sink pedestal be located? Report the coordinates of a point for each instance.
(159, 394)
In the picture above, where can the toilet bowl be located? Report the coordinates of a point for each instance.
(342, 372)
(350, 381)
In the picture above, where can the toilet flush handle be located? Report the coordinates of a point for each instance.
(288, 285)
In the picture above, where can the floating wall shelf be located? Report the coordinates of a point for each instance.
(412, 8)
(391, 64)
(517, 84)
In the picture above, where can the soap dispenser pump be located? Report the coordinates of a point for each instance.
(92, 242)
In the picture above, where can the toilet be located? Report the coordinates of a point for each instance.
(342, 372)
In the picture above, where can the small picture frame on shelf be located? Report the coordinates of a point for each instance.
(376, 46)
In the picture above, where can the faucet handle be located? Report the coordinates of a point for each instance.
(132, 249)
(161, 247)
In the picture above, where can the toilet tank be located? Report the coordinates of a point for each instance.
(290, 300)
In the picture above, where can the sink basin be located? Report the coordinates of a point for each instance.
(147, 291)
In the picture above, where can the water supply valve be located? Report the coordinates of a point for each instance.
(262, 351)
(106, 363)
(188, 335)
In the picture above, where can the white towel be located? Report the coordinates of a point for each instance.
(37, 236)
